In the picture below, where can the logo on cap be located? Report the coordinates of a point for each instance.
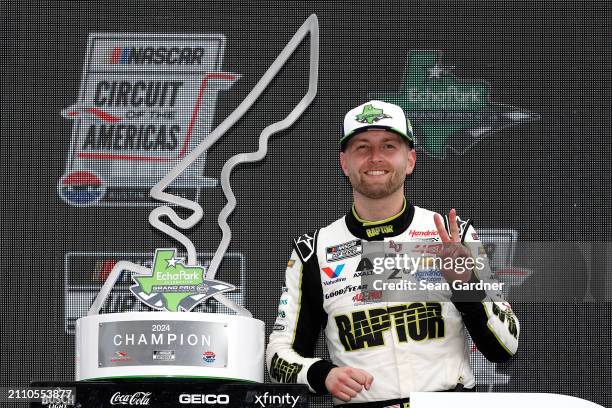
(370, 115)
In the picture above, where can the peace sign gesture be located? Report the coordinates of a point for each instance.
(452, 249)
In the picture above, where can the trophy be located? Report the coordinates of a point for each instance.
(173, 342)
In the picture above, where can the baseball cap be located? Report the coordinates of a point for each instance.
(376, 115)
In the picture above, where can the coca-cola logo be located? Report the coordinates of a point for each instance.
(137, 398)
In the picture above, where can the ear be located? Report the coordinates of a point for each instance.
(411, 162)
(343, 163)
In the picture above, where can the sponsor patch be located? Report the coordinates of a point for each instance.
(365, 268)
(423, 234)
(343, 251)
(366, 296)
(395, 246)
(305, 246)
(383, 229)
(164, 355)
(345, 290)
(284, 371)
(333, 273)
(367, 272)
(431, 276)
(334, 281)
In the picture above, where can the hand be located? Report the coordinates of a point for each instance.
(452, 249)
(345, 382)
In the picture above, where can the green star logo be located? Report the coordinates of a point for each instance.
(174, 286)
(370, 114)
(449, 114)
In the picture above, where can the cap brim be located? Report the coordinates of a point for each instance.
(346, 138)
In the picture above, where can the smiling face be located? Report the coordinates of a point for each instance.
(377, 163)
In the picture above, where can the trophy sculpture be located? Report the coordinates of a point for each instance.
(172, 342)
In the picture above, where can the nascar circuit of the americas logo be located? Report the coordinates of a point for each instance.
(145, 101)
(449, 114)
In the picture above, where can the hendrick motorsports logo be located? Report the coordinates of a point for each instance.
(449, 114)
(174, 286)
(146, 100)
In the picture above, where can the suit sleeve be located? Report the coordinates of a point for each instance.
(489, 319)
(290, 351)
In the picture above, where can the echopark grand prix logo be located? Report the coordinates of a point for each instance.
(449, 114)
(145, 101)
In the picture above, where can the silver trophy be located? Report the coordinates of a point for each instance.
(172, 342)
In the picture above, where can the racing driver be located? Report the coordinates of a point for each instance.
(373, 362)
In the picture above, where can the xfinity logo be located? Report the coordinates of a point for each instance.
(205, 399)
(138, 398)
(285, 399)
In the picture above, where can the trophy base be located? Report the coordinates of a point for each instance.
(169, 346)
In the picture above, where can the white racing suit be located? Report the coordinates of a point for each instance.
(419, 346)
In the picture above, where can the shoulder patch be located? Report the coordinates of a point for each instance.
(305, 245)
(464, 225)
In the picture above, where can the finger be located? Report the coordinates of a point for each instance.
(369, 381)
(352, 384)
(344, 397)
(367, 378)
(348, 391)
(454, 228)
(357, 375)
(440, 227)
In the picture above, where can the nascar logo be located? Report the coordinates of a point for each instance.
(157, 55)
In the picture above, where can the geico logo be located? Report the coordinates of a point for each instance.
(221, 399)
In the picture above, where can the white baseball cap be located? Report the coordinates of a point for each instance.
(377, 115)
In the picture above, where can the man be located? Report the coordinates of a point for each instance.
(373, 364)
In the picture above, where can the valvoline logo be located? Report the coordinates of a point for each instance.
(81, 188)
(333, 273)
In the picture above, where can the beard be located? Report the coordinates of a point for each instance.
(376, 190)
